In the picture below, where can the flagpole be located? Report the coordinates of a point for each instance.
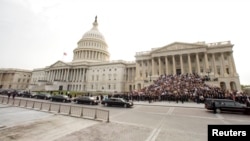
(64, 54)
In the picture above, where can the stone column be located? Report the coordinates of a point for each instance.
(153, 67)
(206, 61)
(174, 67)
(60, 74)
(73, 76)
(142, 69)
(214, 65)
(83, 70)
(198, 63)
(223, 64)
(67, 75)
(189, 65)
(166, 64)
(78, 75)
(160, 69)
(137, 70)
(51, 75)
(181, 62)
(56, 73)
(64, 74)
(48, 78)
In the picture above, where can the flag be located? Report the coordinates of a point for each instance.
(64, 53)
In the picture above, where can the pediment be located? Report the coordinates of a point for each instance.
(58, 64)
(178, 46)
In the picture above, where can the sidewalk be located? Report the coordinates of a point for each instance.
(170, 104)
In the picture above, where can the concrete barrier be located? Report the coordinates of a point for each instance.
(59, 108)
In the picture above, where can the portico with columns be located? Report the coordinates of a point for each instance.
(215, 60)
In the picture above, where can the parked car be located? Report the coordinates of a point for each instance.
(220, 105)
(117, 102)
(86, 100)
(43, 96)
(61, 98)
(28, 94)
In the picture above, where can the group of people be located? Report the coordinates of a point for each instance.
(13, 94)
(183, 87)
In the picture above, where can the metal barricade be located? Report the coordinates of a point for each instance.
(75, 111)
(16, 102)
(71, 110)
(22, 103)
(29, 104)
(65, 109)
(37, 105)
(88, 112)
(54, 108)
(45, 106)
(102, 114)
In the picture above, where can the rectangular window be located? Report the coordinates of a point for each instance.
(109, 76)
(227, 70)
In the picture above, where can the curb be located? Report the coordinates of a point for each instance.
(182, 106)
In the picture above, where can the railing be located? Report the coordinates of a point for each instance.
(71, 110)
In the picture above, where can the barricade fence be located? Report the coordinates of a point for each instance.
(71, 110)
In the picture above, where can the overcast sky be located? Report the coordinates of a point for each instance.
(35, 33)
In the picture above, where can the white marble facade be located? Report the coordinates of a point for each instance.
(18, 79)
(92, 71)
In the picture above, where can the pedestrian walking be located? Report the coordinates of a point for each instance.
(14, 94)
(8, 95)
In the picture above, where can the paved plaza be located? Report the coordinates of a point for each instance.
(157, 121)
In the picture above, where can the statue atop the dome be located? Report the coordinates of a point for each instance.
(95, 24)
(95, 19)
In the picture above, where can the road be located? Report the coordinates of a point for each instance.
(143, 122)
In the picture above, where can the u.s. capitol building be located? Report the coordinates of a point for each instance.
(92, 71)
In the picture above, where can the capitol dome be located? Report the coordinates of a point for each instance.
(92, 47)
